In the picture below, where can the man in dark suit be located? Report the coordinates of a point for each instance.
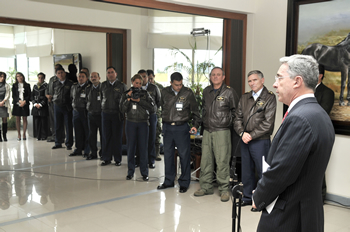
(299, 154)
(323, 94)
(325, 97)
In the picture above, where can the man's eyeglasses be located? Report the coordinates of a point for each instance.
(277, 78)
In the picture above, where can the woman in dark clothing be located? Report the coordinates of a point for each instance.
(21, 98)
(136, 107)
(40, 109)
(5, 109)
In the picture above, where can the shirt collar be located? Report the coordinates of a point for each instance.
(296, 100)
(145, 87)
(174, 91)
(257, 94)
(112, 83)
(96, 86)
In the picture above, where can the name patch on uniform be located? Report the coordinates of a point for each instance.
(82, 95)
(134, 107)
(98, 98)
(220, 98)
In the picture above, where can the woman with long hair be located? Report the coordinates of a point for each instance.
(21, 98)
(5, 110)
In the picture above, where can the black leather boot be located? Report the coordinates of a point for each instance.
(4, 131)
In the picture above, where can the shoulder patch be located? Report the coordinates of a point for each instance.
(271, 92)
(247, 92)
(228, 87)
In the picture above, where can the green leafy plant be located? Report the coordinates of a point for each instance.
(11, 76)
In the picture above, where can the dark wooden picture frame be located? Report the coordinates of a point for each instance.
(341, 127)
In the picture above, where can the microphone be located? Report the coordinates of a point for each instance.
(233, 174)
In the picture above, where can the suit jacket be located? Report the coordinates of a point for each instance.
(298, 159)
(325, 97)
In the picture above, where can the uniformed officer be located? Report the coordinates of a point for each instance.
(112, 118)
(219, 105)
(94, 114)
(79, 93)
(155, 94)
(178, 107)
(40, 110)
(49, 95)
(256, 137)
(136, 104)
(151, 79)
(62, 109)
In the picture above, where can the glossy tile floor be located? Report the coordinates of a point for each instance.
(45, 190)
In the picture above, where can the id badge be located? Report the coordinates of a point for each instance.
(134, 107)
(82, 95)
(98, 98)
(179, 106)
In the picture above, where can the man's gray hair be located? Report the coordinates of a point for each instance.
(259, 73)
(223, 72)
(304, 66)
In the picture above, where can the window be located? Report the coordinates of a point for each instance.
(167, 61)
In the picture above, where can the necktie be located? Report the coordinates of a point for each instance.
(285, 115)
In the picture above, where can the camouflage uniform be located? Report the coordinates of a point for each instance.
(159, 127)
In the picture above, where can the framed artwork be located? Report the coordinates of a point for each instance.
(322, 29)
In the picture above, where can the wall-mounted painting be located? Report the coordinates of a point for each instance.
(323, 31)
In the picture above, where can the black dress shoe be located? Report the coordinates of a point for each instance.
(43, 139)
(85, 155)
(183, 189)
(164, 186)
(152, 166)
(18, 139)
(24, 138)
(91, 157)
(118, 164)
(69, 148)
(57, 146)
(244, 203)
(38, 139)
(104, 163)
(145, 178)
(129, 177)
(254, 210)
(74, 154)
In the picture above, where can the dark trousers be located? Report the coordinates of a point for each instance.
(112, 131)
(52, 119)
(41, 126)
(152, 138)
(81, 131)
(252, 154)
(63, 119)
(177, 136)
(94, 126)
(137, 135)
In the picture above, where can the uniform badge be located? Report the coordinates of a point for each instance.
(260, 103)
(220, 98)
(116, 89)
(182, 99)
(67, 87)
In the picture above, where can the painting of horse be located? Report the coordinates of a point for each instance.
(334, 59)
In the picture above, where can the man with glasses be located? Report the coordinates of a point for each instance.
(256, 132)
(289, 192)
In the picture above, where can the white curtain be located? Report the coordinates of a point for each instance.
(38, 42)
(19, 39)
(7, 48)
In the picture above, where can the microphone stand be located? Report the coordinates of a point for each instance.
(237, 189)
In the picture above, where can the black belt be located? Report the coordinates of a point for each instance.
(175, 123)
